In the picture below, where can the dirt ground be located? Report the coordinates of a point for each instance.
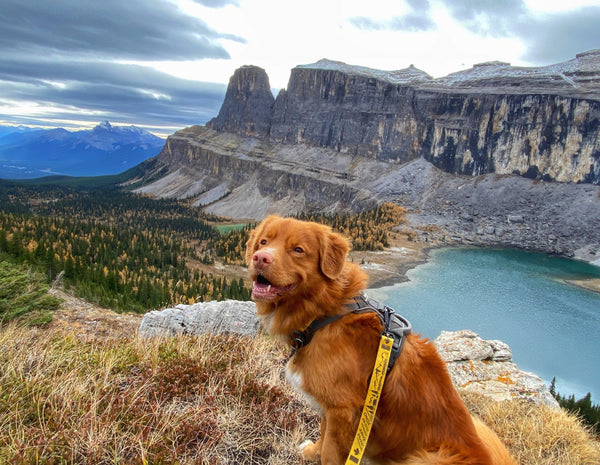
(88, 321)
(389, 266)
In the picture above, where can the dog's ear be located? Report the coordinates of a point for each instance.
(334, 248)
(251, 244)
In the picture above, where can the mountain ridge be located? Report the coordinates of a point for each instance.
(578, 76)
(542, 123)
(102, 150)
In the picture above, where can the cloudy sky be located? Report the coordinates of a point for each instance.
(165, 64)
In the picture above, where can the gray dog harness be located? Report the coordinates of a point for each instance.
(394, 325)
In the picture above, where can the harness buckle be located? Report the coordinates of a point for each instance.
(297, 338)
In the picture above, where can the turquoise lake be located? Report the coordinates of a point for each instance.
(521, 298)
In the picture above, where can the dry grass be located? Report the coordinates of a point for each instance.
(204, 400)
(537, 435)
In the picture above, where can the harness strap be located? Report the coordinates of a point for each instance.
(380, 370)
(301, 338)
(395, 326)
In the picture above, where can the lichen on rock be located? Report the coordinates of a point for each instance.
(486, 367)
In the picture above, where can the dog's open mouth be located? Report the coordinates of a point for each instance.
(263, 289)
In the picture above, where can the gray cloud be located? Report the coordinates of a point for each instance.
(419, 5)
(485, 16)
(410, 23)
(549, 38)
(554, 38)
(124, 93)
(368, 24)
(416, 20)
(218, 3)
(145, 30)
(68, 55)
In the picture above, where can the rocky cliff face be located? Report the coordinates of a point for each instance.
(472, 154)
(247, 105)
(543, 123)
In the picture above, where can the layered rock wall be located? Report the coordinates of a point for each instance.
(539, 136)
(352, 114)
(248, 178)
(542, 123)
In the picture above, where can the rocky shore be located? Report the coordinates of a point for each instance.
(504, 211)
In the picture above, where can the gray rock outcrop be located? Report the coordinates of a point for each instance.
(230, 316)
(486, 367)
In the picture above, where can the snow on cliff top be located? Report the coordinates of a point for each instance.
(583, 63)
(402, 76)
(573, 72)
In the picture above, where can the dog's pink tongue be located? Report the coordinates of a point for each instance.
(268, 291)
(264, 291)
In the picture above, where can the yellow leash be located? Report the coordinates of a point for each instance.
(368, 414)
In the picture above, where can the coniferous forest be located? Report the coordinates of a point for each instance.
(124, 251)
(133, 253)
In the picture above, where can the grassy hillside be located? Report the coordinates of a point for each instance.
(195, 400)
(24, 294)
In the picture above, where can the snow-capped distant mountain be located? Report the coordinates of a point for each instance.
(105, 149)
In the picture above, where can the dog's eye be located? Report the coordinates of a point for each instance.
(299, 250)
(263, 242)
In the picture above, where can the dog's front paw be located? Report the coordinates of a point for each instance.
(309, 450)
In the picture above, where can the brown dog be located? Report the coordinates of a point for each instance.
(300, 275)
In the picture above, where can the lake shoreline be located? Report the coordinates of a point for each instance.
(588, 284)
(390, 267)
(510, 295)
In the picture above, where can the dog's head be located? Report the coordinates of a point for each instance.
(287, 257)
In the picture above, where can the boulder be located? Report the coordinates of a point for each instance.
(230, 316)
(486, 367)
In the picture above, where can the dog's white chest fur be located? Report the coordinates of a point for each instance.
(294, 377)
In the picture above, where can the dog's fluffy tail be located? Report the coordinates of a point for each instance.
(498, 451)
